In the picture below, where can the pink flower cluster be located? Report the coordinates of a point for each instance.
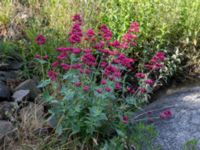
(40, 39)
(165, 114)
(89, 59)
(140, 75)
(128, 38)
(156, 61)
(52, 75)
(105, 32)
(100, 56)
(45, 57)
(124, 61)
(125, 119)
(90, 35)
(76, 33)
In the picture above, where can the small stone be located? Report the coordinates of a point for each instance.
(4, 92)
(20, 95)
(31, 86)
(52, 121)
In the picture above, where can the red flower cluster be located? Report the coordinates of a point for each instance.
(115, 44)
(52, 75)
(112, 72)
(130, 90)
(156, 61)
(125, 119)
(128, 38)
(90, 33)
(149, 81)
(124, 61)
(165, 114)
(76, 33)
(140, 75)
(45, 57)
(134, 27)
(105, 33)
(102, 55)
(40, 39)
(89, 59)
(77, 18)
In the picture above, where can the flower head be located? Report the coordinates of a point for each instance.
(165, 114)
(45, 57)
(77, 84)
(54, 64)
(40, 39)
(65, 66)
(99, 90)
(62, 56)
(103, 81)
(37, 56)
(125, 119)
(52, 75)
(149, 81)
(117, 86)
(134, 27)
(107, 89)
(90, 33)
(89, 59)
(140, 75)
(86, 88)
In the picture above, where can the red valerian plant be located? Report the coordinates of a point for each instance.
(89, 81)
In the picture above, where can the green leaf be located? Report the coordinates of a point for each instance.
(59, 129)
(75, 129)
(44, 83)
(120, 133)
(69, 94)
(41, 61)
(131, 100)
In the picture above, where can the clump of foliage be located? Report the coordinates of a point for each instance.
(166, 24)
(93, 87)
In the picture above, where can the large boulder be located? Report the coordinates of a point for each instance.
(20, 95)
(8, 75)
(11, 63)
(4, 92)
(184, 124)
(30, 85)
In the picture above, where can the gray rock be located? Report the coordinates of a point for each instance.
(7, 132)
(31, 86)
(3, 66)
(4, 92)
(7, 110)
(10, 75)
(11, 66)
(184, 125)
(52, 121)
(20, 95)
(11, 63)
